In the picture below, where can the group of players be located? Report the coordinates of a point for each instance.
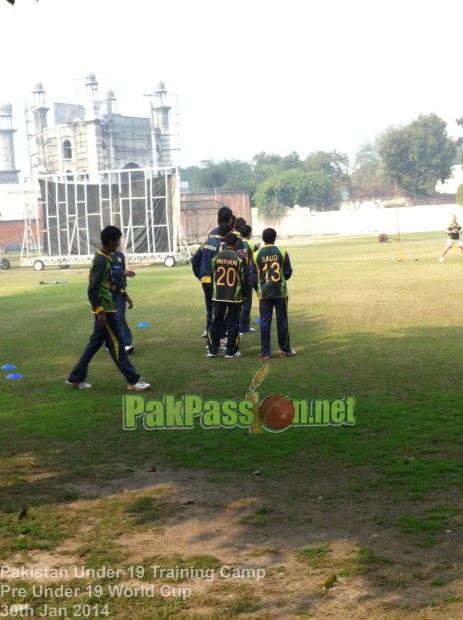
(229, 267)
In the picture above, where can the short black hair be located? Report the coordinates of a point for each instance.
(110, 233)
(231, 239)
(223, 215)
(246, 231)
(269, 235)
(239, 223)
(223, 229)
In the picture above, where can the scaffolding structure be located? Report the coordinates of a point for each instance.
(143, 203)
(93, 167)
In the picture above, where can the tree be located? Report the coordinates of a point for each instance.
(267, 165)
(230, 175)
(417, 155)
(459, 196)
(332, 163)
(366, 182)
(335, 166)
(290, 187)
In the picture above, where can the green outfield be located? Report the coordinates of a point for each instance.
(379, 322)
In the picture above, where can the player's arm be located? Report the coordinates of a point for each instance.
(244, 277)
(287, 268)
(210, 249)
(196, 262)
(95, 277)
(119, 287)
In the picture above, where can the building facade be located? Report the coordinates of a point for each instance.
(81, 138)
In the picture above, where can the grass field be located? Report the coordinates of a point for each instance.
(379, 503)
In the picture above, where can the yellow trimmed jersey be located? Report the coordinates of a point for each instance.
(99, 284)
(453, 230)
(273, 269)
(229, 280)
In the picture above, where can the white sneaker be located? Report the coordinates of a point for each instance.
(139, 386)
(230, 357)
(248, 331)
(287, 353)
(129, 349)
(79, 386)
(441, 259)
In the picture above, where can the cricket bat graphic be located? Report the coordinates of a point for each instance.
(253, 396)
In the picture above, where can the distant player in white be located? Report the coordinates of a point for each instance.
(453, 232)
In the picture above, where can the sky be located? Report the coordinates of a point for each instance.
(248, 75)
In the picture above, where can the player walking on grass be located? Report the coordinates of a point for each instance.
(230, 281)
(453, 232)
(273, 270)
(106, 328)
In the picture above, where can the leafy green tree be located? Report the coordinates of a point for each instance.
(268, 197)
(227, 175)
(267, 165)
(417, 155)
(187, 174)
(291, 187)
(366, 181)
(459, 196)
(334, 165)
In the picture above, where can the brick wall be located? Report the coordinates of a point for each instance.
(11, 233)
(198, 212)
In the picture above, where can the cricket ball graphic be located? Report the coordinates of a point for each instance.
(277, 412)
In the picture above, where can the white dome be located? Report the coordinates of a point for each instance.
(6, 108)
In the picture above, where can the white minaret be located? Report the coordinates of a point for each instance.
(8, 172)
(160, 121)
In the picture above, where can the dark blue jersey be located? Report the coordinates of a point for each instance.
(201, 261)
(118, 270)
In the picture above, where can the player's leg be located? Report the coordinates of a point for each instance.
(447, 248)
(207, 290)
(265, 311)
(281, 309)
(245, 326)
(117, 350)
(121, 309)
(79, 373)
(219, 313)
(233, 340)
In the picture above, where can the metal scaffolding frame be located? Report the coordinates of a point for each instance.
(143, 202)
